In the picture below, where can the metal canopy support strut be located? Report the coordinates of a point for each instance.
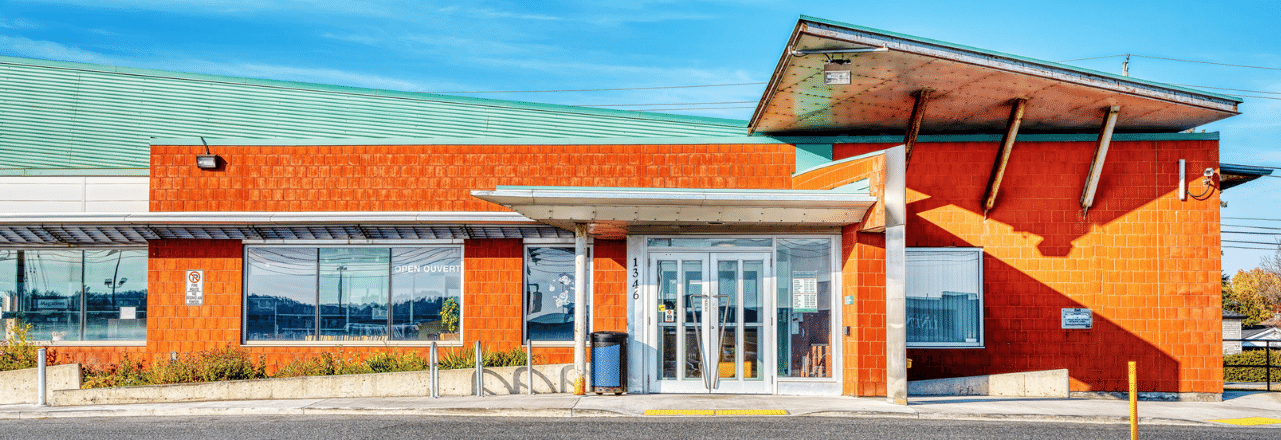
(580, 309)
(1100, 155)
(1003, 158)
(914, 126)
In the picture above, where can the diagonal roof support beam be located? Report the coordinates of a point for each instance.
(914, 125)
(1003, 158)
(1100, 155)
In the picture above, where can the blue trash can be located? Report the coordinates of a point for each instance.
(609, 362)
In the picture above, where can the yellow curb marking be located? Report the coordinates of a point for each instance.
(719, 412)
(1250, 421)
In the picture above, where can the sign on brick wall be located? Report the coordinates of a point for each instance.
(1077, 319)
(195, 287)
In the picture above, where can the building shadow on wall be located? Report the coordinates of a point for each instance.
(1023, 332)
(1040, 195)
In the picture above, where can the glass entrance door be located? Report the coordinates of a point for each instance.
(713, 321)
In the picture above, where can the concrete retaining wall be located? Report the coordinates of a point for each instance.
(19, 386)
(503, 380)
(1047, 383)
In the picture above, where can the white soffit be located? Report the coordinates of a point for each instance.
(614, 211)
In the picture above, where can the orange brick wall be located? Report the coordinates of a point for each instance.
(440, 177)
(1145, 262)
(863, 277)
(492, 310)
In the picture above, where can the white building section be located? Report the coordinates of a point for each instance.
(29, 194)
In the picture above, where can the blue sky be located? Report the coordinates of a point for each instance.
(487, 46)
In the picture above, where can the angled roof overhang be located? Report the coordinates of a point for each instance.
(971, 89)
(613, 213)
(1231, 175)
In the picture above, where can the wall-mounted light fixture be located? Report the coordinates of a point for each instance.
(836, 72)
(207, 161)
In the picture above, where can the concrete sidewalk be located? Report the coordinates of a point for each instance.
(1236, 405)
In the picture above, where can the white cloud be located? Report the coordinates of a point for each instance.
(25, 47)
(49, 50)
(18, 23)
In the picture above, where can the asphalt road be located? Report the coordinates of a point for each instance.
(400, 427)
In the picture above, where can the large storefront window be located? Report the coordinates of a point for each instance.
(75, 295)
(342, 294)
(944, 297)
(804, 285)
(549, 293)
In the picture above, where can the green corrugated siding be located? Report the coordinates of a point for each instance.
(68, 115)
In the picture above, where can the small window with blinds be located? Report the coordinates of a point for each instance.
(944, 297)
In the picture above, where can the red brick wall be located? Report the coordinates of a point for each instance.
(440, 177)
(1145, 262)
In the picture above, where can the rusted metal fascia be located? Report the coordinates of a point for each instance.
(1100, 155)
(914, 126)
(772, 88)
(1026, 66)
(1003, 159)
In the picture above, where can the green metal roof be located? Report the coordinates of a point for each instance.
(62, 115)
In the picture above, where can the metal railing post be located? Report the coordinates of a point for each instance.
(480, 372)
(529, 366)
(1267, 357)
(40, 377)
(434, 361)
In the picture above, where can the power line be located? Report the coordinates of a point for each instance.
(1253, 227)
(1250, 232)
(670, 103)
(597, 90)
(1259, 97)
(1250, 242)
(689, 108)
(1249, 248)
(1209, 62)
(1090, 58)
(1172, 59)
(1225, 88)
(1256, 219)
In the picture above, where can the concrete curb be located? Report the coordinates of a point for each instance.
(64, 412)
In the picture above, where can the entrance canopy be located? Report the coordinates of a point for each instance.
(612, 213)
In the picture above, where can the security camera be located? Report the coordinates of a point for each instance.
(1209, 172)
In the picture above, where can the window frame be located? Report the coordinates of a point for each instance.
(524, 288)
(982, 293)
(84, 300)
(377, 244)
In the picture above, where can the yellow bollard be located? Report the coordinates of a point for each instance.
(1134, 402)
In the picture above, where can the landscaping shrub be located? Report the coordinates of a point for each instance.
(128, 373)
(1247, 374)
(232, 363)
(228, 363)
(16, 351)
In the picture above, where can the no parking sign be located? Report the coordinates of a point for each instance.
(195, 287)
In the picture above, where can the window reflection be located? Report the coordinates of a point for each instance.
(354, 290)
(426, 293)
(804, 283)
(75, 295)
(281, 290)
(354, 294)
(549, 293)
